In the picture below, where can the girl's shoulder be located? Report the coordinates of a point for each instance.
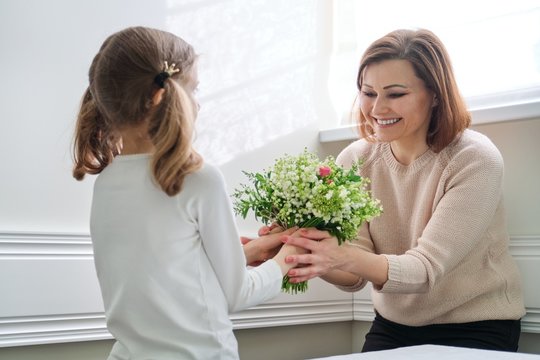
(207, 176)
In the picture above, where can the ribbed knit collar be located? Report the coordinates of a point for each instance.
(415, 166)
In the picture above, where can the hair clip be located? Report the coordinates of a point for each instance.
(170, 69)
(167, 72)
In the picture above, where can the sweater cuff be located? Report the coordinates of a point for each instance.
(393, 283)
(359, 285)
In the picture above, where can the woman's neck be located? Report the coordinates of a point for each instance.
(405, 154)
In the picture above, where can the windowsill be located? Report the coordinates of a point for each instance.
(510, 112)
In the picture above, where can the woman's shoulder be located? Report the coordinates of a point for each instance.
(359, 150)
(474, 144)
(471, 148)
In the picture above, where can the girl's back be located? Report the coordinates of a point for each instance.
(167, 266)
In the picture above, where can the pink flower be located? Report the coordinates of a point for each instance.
(324, 171)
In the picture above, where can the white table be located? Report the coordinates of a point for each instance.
(430, 352)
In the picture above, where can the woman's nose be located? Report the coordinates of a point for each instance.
(380, 106)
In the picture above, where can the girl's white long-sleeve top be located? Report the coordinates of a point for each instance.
(171, 268)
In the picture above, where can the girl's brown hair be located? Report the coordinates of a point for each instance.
(119, 95)
(431, 63)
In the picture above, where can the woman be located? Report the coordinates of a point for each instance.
(438, 257)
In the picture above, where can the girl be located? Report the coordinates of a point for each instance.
(166, 248)
(438, 257)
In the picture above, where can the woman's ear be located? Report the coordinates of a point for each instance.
(158, 96)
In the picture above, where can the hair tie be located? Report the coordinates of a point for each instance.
(167, 72)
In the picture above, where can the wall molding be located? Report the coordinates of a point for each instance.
(40, 327)
(44, 245)
(40, 250)
(280, 314)
(34, 330)
(363, 310)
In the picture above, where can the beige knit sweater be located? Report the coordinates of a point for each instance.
(443, 232)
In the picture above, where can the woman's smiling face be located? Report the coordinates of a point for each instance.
(396, 103)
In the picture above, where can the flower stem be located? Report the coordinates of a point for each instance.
(293, 288)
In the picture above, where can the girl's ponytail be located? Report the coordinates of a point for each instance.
(124, 77)
(95, 144)
(171, 131)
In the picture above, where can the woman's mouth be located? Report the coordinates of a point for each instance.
(387, 121)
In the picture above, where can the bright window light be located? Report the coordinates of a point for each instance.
(494, 47)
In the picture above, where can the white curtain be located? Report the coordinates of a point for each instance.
(256, 70)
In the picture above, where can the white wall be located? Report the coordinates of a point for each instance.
(262, 95)
(260, 79)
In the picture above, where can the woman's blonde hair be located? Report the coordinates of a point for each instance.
(119, 95)
(431, 64)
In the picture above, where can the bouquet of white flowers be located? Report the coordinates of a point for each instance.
(306, 192)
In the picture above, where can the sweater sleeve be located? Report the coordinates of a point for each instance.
(242, 287)
(362, 241)
(472, 188)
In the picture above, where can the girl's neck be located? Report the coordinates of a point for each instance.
(136, 141)
(131, 148)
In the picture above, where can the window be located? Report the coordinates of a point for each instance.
(494, 47)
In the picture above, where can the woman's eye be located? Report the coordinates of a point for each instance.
(369, 94)
(396, 95)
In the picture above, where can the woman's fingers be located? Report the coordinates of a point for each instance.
(302, 242)
(303, 273)
(312, 233)
(300, 259)
(319, 259)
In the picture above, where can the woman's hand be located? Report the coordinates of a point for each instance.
(323, 254)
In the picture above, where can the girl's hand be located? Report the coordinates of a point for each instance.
(270, 229)
(264, 247)
(286, 251)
